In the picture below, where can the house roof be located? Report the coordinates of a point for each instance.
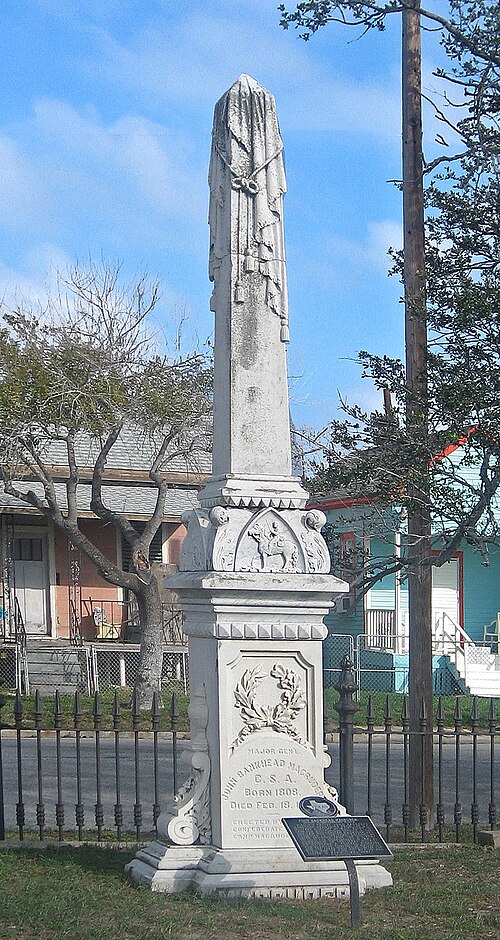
(132, 451)
(135, 501)
(458, 470)
(126, 488)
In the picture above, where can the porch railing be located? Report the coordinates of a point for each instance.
(119, 621)
(379, 629)
(75, 631)
(22, 672)
(450, 639)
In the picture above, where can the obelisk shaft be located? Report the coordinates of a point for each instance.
(247, 266)
(251, 422)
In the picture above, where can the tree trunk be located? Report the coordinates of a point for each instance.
(419, 522)
(148, 677)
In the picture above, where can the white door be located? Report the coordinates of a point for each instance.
(31, 582)
(446, 601)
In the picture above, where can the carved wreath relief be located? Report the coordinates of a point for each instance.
(279, 717)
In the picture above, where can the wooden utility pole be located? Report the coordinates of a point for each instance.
(419, 522)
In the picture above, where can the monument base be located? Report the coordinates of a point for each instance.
(255, 873)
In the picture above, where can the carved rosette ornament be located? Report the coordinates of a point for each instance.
(268, 540)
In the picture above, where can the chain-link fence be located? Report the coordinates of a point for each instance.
(117, 666)
(8, 666)
(89, 668)
(108, 665)
(335, 647)
(376, 670)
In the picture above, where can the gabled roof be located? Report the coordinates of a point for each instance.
(135, 501)
(132, 451)
(127, 487)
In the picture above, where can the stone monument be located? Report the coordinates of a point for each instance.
(254, 579)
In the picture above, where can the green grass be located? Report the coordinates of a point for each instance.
(396, 835)
(379, 703)
(80, 893)
(379, 700)
(87, 702)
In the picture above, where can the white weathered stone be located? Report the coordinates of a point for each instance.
(187, 820)
(261, 873)
(251, 451)
(254, 583)
(225, 538)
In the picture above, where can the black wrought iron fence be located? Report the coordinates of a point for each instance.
(371, 765)
(81, 781)
(77, 774)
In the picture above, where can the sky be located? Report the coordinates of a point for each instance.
(106, 111)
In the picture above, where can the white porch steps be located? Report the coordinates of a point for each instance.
(477, 666)
(482, 671)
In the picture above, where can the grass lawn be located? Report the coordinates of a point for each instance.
(379, 704)
(380, 700)
(87, 702)
(79, 893)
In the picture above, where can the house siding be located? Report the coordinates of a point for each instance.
(480, 594)
(481, 591)
(349, 622)
(91, 583)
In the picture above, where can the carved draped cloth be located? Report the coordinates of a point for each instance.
(247, 157)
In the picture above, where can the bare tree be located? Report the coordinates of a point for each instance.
(85, 365)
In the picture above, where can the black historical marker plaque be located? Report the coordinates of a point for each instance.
(324, 839)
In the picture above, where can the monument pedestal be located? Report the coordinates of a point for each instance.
(255, 651)
(256, 873)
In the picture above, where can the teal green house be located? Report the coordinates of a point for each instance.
(372, 625)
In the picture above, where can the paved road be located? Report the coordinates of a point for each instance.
(88, 779)
(146, 778)
(396, 792)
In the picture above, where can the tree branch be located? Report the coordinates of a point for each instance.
(72, 482)
(96, 504)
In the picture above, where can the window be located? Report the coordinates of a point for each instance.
(347, 561)
(27, 549)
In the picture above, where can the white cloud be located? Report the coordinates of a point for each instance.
(35, 275)
(125, 181)
(21, 194)
(194, 58)
(380, 237)
(152, 162)
(334, 260)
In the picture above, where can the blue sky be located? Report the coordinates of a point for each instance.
(105, 120)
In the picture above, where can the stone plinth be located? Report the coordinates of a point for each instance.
(242, 874)
(255, 652)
